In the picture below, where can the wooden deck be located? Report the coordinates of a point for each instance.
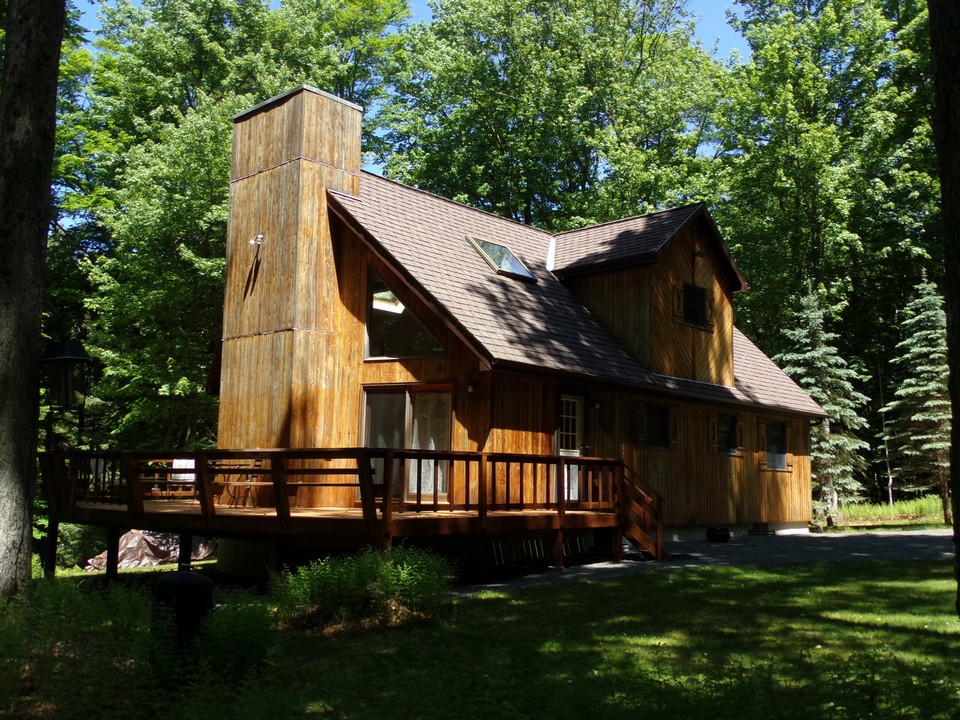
(352, 497)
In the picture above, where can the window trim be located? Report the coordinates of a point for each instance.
(401, 489)
(734, 450)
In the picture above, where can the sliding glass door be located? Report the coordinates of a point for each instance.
(413, 419)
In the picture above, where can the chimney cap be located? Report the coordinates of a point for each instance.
(289, 93)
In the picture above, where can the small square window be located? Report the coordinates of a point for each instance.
(502, 259)
(658, 426)
(695, 306)
(727, 434)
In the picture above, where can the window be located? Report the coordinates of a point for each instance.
(392, 330)
(658, 426)
(502, 259)
(417, 419)
(776, 445)
(727, 434)
(695, 306)
(570, 442)
(570, 435)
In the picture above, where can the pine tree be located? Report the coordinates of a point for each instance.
(919, 432)
(816, 365)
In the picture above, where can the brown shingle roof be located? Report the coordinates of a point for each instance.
(631, 239)
(528, 324)
(634, 240)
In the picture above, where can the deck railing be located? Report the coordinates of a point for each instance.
(378, 482)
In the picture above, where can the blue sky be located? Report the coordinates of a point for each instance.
(711, 22)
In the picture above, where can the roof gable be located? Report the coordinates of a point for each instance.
(636, 240)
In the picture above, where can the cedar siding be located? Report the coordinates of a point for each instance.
(606, 326)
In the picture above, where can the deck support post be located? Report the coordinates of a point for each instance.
(558, 550)
(186, 551)
(50, 548)
(113, 552)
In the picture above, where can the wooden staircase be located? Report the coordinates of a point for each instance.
(641, 511)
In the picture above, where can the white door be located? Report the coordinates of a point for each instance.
(569, 442)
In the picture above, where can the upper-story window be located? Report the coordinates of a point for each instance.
(392, 330)
(502, 259)
(695, 305)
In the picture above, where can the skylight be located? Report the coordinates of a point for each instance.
(502, 259)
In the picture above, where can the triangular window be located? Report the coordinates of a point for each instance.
(392, 329)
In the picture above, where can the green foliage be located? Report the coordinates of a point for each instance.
(919, 429)
(368, 585)
(78, 543)
(77, 635)
(136, 268)
(553, 113)
(846, 640)
(927, 508)
(87, 650)
(815, 364)
(238, 639)
(13, 650)
(830, 173)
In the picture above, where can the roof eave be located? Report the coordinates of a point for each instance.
(660, 391)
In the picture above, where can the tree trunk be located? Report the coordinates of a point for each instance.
(945, 50)
(27, 127)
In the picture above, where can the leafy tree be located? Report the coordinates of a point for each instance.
(144, 181)
(553, 113)
(829, 173)
(818, 368)
(920, 429)
(31, 53)
(789, 137)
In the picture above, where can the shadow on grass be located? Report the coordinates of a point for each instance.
(845, 640)
(840, 640)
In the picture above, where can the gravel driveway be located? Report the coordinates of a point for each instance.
(786, 548)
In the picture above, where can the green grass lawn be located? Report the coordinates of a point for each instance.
(841, 640)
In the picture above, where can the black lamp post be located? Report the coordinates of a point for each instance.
(62, 358)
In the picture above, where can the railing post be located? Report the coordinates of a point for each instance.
(131, 472)
(201, 464)
(659, 521)
(483, 481)
(561, 489)
(281, 501)
(387, 511)
(368, 503)
(113, 552)
(50, 547)
(617, 487)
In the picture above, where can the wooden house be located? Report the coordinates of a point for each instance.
(486, 365)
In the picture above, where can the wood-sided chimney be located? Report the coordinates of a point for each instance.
(280, 306)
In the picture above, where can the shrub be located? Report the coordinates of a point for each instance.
(367, 586)
(924, 507)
